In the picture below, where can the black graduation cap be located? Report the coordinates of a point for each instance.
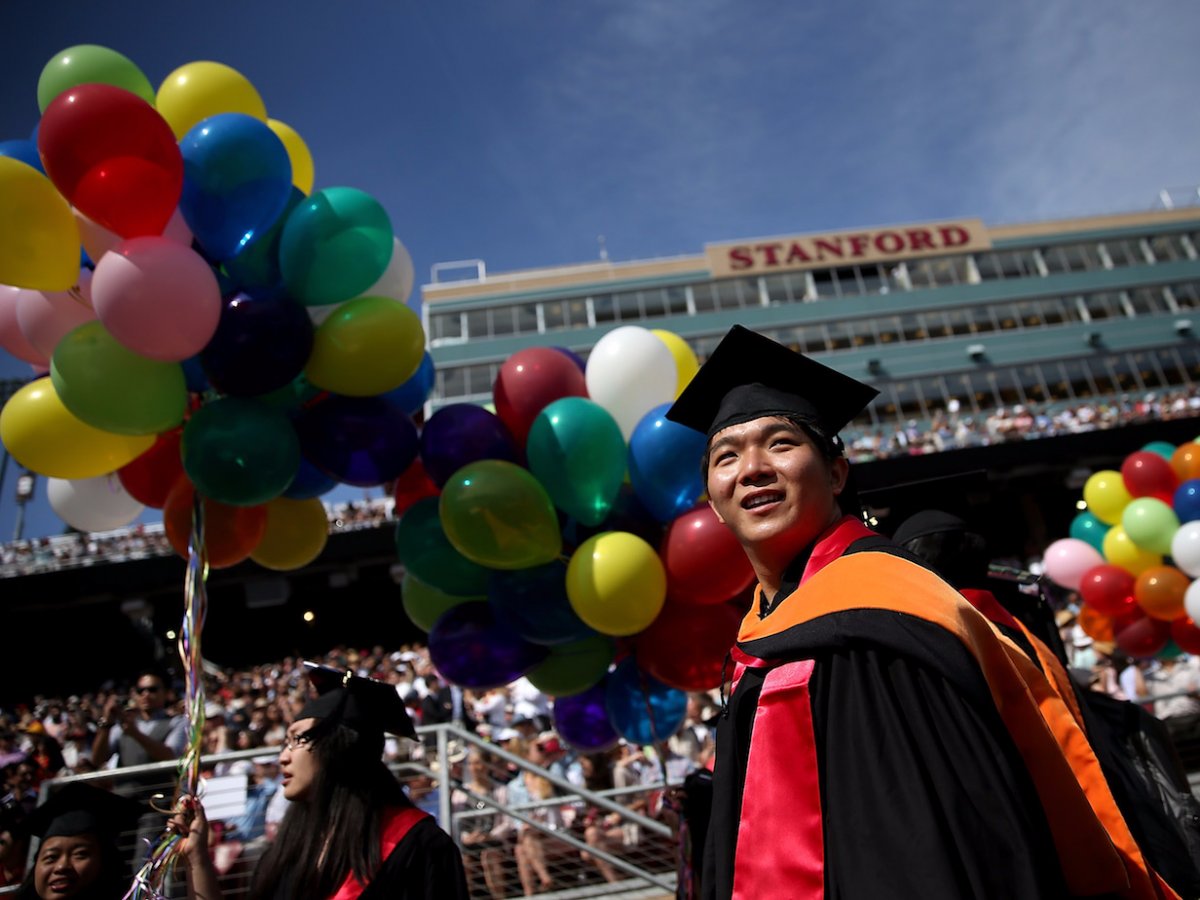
(926, 506)
(749, 376)
(79, 808)
(372, 708)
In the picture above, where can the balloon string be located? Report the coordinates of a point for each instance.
(77, 295)
(160, 860)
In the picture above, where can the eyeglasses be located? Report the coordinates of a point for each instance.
(296, 741)
(146, 689)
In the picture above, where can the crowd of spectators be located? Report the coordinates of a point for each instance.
(250, 709)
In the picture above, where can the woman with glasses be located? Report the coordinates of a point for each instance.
(350, 831)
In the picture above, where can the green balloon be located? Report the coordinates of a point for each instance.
(429, 556)
(292, 395)
(240, 451)
(573, 668)
(497, 514)
(90, 64)
(108, 386)
(1150, 524)
(576, 450)
(335, 244)
(424, 603)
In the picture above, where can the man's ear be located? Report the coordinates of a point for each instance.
(839, 471)
(713, 507)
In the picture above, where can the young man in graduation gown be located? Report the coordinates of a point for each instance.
(878, 741)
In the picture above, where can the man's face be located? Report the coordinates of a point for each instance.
(770, 484)
(66, 866)
(148, 693)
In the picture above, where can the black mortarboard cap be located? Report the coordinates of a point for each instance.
(749, 376)
(79, 808)
(372, 708)
(925, 506)
(927, 522)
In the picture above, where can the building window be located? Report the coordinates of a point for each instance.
(705, 297)
(446, 326)
(1125, 253)
(629, 306)
(477, 324)
(1072, 258)
(502, 321)
(527, 319)
(1103, 306)
(604, 309)
(554, 314)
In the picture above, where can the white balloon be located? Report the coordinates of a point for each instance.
(629, 372)
(1191, 600)
(397, 279)
(1185, 549)
(92, 504)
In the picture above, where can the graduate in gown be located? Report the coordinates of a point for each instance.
(880, 740)
(350, 831)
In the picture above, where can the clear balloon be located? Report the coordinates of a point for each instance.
(643, 710)
(296, 533)
(201, 89)
(574, 667)
(1106, 495)
(424, 604)
(425, 551)
(90, 64)
(664, 464)
(616, 583)
(575, 449)
(528, 382)
(230, 532)
(237, 182)
(470, 648)
(1150, 523)
(39, 241)
(582, 719)
(629, 373)
(240, 451)
(92, 504)
(364, 441)
(498, 515)
(533, 603)
(368, 346)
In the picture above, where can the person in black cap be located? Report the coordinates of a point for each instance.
(878, 741)
(350, 831)
(77, 856)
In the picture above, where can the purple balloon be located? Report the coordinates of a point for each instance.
(582, 719)
(363, 441)
(574, 357)
(261, 344)
(463, 433)
(474, 650)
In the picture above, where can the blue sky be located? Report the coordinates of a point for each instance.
(518, 131)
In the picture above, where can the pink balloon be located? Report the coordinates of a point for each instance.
(45, 317)
(1067, 559)
(157, 297)
(98, 240)
(11, 338)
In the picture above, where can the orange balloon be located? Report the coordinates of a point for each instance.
(1185, 461)
(1096, 625)
(230, 532)
(1159, 591)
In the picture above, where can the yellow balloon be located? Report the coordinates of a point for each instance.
(43, 436)
(296, 534)
(298, 153)
(1106, 496)
(616, 583)
(686, 364)
(1121, 551)
(198, 90)
(39, 240)
(367, 346)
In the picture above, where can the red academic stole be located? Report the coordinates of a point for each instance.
(397, 822)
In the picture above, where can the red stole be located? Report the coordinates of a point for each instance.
(397, 822)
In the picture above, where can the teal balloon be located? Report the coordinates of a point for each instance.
(1162, 448)
(108, 386)
(1171, 651)
(335, 244)
(1150, 524)
(1087, 528)
(427, 553)
(576, 450)
(573, 668)
(240, 451)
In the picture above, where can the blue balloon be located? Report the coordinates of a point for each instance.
(1162, 448)
(237, 180)
(24, 151)
(664, 464)
(643, 710)
(472, 649)
(533, 603)
(1186, 501)
(260, 345)
(412, 395)
(363, 441)
(255, 269)
(582, 719)
(463, 433)
(1086, 527)
(193, 373)
(309, 482)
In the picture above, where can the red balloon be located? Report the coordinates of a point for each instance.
(412, 486)
(685, 647)
(529, 381)
(1147, 474)
(1108, 589)
(1144, 638)
(1185, 633)
(113, 157)
(704, 562)
(150, 477)
(230, 532)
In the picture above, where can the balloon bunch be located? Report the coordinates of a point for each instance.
(1134, 554)
(564, 532)
(201, 320)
